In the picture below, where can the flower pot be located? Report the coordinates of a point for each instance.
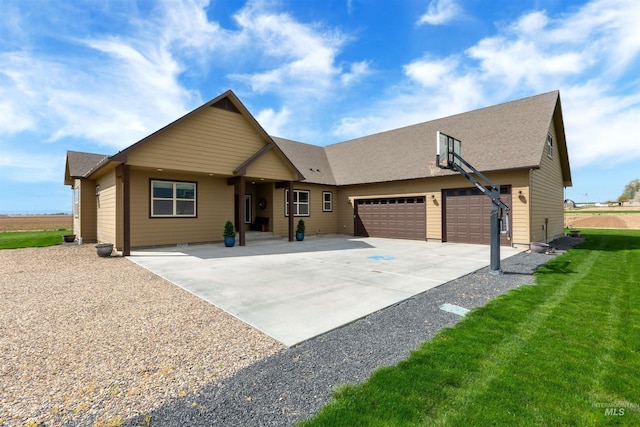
(574, 233)
(229, 241)
(104, 249)
(69, 238)
(299, 237)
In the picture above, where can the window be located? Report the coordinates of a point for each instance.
(327, 201)
(173, 199)
(76, 205)
(300, 202)
(247, 209)
(549, 145)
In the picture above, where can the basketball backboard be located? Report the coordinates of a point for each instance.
(446, 146)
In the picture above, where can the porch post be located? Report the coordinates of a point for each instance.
(124, 172)
(241, 208)
(290, 204)
(126, 221)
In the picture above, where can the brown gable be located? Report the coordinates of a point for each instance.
(502, 137)
(227, 101)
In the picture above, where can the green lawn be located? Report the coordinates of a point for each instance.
(563, 352)
(30, 239)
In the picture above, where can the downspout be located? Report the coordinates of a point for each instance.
(530, 204)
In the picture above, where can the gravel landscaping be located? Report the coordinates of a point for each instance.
(93, 341)
(99, 341)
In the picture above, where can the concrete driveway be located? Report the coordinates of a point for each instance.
(294, 291)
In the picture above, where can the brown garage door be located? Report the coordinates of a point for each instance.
(467, 218)
(396, 218)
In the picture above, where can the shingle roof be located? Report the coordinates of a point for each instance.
(82, 164)
(311, 160)
(501, 137)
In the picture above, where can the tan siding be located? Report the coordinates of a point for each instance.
(210, 141)
(318, 222)
(272, 165)
(87, 220)
(106, 208)
(214, 207)
(433, 187)
(547, 196)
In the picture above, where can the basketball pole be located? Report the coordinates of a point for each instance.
(495, 232)
(456, 162)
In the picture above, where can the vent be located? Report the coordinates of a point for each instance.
(226, 104)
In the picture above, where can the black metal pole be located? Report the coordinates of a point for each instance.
(495, 232)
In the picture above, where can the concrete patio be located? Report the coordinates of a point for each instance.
(294, 291)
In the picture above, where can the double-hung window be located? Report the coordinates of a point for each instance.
(327, 201)
(300, 202)
(171, 199)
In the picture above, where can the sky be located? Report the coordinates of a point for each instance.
(99, 75)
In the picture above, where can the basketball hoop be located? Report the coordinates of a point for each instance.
(433, 168)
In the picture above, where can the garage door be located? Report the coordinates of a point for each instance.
(396, 218)
(467, 218)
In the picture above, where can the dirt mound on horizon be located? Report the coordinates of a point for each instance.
(630, 221)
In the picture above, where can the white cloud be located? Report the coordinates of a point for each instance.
(440, 12)
(24, 166)
(274, 122)
(297, 60)
(430, 73)
(126, 87)
(602, 128)
(586, 54)
(357, 71)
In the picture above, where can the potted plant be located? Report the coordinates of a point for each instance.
(300, 231)
(69, 238)
(229, 234)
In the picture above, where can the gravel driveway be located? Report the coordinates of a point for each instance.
(88, 340)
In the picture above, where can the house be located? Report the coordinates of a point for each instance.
(181, 183)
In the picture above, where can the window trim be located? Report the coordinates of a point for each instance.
(550, 146)
(174, 199)
(325, 201)
(296, 202)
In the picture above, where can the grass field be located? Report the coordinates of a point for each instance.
(31, 239)
(563, 352)
(24, 231)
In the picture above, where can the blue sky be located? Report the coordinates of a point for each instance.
(98, 75)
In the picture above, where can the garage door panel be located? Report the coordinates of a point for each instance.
(398, 218)
(467, 215)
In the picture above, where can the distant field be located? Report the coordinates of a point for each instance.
(621, 218)
(35, 222)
